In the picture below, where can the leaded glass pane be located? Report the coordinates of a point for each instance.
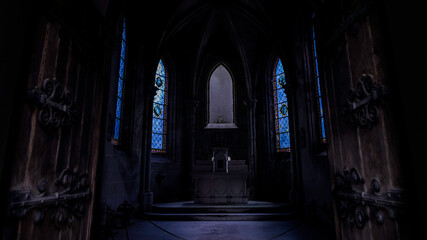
(117, 128)
(280, 81)
(158, 143)
(124, 31)
(159, 97)
(160, 69)
(281, 96)
(281, 108)
(317, 67)
(319, 94)
(279, 68)
(284, 140)
(120, 88)
(320, 106)
(120, 83)
(323, 128)
(158, 111)
(118, 108)
(123, 50)
(160, 82)
(283, 123)
(157, 125)
(122, 68)
(287, 140)
(314, 45)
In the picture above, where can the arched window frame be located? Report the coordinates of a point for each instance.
(214, 125)
(160, 102)
(319, 96)
(121, 80)
(281, 106)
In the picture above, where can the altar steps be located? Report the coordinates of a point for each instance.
(253, 211)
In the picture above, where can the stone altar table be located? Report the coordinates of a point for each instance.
(220, 181)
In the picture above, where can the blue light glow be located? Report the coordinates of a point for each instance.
(120, 79)
(319, 94)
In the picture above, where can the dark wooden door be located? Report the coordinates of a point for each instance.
(362, 143)
(58, 129)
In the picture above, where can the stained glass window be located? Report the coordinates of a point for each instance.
(318, 92)
(160, 103)
(120, 84)
(283, 142)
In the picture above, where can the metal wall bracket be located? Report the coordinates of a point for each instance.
(64, 205)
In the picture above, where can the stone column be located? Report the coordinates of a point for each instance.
(295, 192)
(145, 193)
(191, 106)
(252, 147)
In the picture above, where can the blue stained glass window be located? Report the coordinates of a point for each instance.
(118, 108)
(122, 68)
(159, 127)
(120, 83)
(283, 142)
(120, 89)
(156, 142)
(116, 128)
(319, 94)
(159, 97)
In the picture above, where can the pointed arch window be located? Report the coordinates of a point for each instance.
(120, 84)
(160, 104)
(321, 118)
(283, 143)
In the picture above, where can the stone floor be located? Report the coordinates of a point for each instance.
(219, 230)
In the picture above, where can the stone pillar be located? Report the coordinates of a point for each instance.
(145, 193)
(295, 192)
(191, 106)
(252, 147)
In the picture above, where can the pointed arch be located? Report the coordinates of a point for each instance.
(283, 143)
(321, 117)
(221, 96)
(160, 106)
(120, 84)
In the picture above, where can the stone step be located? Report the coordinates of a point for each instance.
(220, 216)
(250, 207)
(237, 162)
(237, 168)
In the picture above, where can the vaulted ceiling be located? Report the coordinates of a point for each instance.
(162, 22)
(191, 32)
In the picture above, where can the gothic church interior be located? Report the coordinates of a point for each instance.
(316, 105)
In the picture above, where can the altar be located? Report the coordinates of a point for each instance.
(220, 180)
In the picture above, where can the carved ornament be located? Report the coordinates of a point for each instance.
(353, 203)
(56, 105)
(361, 107)
(64, 205)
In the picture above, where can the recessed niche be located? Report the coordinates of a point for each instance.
(221, 102)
